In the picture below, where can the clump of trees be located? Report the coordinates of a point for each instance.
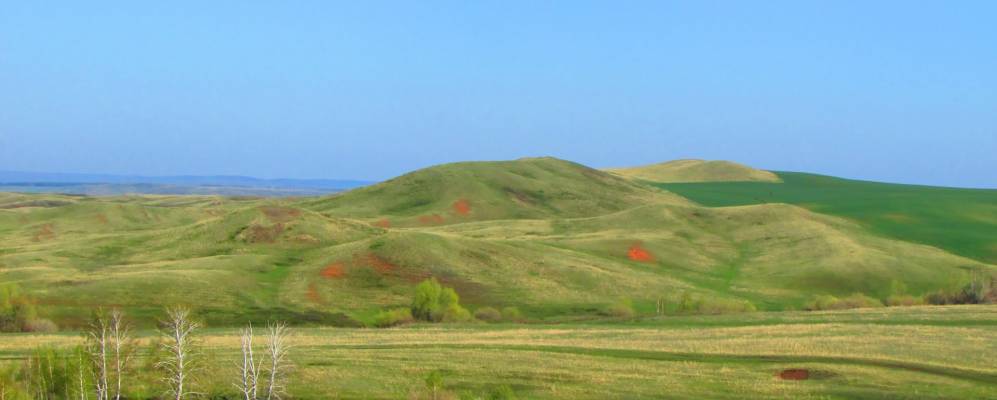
(687, 303)
(981, 289)
(829, 302)
(435, 303)
(18, 312)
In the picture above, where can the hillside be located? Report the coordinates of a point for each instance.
(470, 191)
(961, 221)
(554, 238)
(696, 171)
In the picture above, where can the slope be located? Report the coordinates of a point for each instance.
(470, 191)
(696, 171)
(961, 221)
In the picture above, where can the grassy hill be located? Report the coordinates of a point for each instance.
(554, 238)
(469, 191)
(961, 221)
(696, 171)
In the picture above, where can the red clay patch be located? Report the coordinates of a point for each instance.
(434, 219)
(638, 253)
(333, 271)
(383, 223)
(462, 207)
(795, 374)
(376, 262)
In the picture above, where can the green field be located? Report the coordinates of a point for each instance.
(961, 221)
(896, 353)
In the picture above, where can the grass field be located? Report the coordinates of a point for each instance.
(961, 221)
(897, 353)
(556, 239)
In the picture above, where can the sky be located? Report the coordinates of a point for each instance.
(897, 91)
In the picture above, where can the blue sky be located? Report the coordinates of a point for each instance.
(902, 91)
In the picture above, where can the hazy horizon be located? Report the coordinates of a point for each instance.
(886, 91)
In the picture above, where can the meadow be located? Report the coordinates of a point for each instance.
(606, 286)
(896, 353)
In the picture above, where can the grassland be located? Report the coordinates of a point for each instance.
(556, 239)
(960, 221)
(896, 353)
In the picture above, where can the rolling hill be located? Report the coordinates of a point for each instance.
(527, 188)
(554, 238)
(960, 221)
(696, 171)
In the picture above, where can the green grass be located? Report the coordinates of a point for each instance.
(900, 353)
(961, 221)
(562, 256)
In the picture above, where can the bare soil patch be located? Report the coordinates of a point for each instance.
(638, 253)
(794, 374)
(462, 207)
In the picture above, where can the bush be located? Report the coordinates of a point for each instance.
(488, 314)
(828, 302)
(426, 301)
(398, 316)
(16, 309)
(503, 392)
(724, 306)
(40, 325)
(903, 300)
(512, 314)
(975, 292)
(455, 313)
(433, 302)
(623, 308)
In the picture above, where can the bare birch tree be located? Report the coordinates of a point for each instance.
(179, 365)
(279, 365)
(98, 339)
(120, 334)
(249, 369)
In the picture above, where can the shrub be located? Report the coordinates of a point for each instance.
(855, 300)
(395, 317)
(426, 302)
(40, 325)
(724, 306)
(435, 303)
(512, 314)
(503, 392)
(434, 382)
(904, 300)
(455, 313)
(623, 308)
(16, 309)
(488, 314)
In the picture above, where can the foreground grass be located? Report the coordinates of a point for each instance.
(920, 352)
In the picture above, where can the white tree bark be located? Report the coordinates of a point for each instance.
(249, 368)
(277, 348)
(179, 366)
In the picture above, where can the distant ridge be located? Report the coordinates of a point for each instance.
(696, 171)
(109, 184)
